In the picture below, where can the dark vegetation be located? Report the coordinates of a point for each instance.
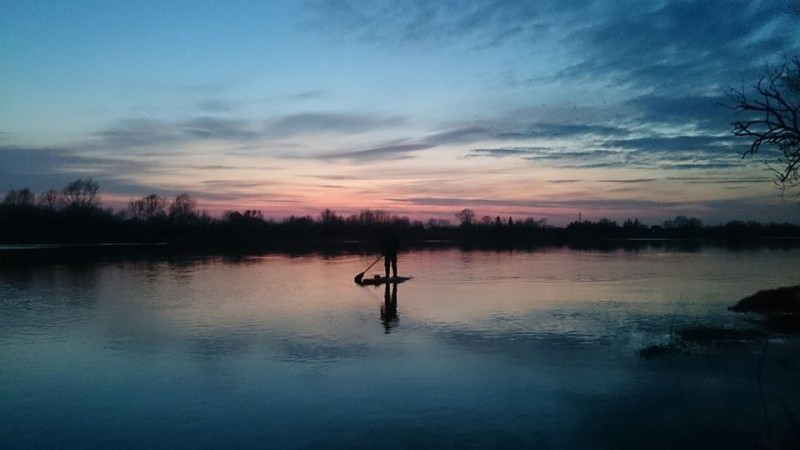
(777, 311)
(75, 215)
(781, 300)
(701, 335)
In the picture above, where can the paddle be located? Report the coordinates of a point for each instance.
(361, 275)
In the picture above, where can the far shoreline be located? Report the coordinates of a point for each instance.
(77, 252)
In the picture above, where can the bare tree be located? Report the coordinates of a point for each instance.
(770, 116)
(374, 217)
(437, 223)
(50, 200)
(466, 216)
(81, 195)
(183, 210)
(329, 217)
(19, 197)
(148, 209)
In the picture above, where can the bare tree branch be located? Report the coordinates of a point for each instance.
(770, 117)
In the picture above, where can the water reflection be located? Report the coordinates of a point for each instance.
(389, 308)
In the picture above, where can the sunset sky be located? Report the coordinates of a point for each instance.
(515, 108)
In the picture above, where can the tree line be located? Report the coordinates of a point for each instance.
(75, 214)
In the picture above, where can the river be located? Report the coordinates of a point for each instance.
(517, 349)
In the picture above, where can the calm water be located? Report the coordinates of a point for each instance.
(480, 349)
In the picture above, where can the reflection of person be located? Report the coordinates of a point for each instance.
(389, 251)
(389, 308)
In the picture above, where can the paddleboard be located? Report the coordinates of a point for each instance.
(377, 280)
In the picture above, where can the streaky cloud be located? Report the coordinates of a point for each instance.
(709, 112)
(545, 153)
(143, 132)
(686, 43)
(718, 180)
(389, 152)
(461, 135)
(234, 184)
(630, 181)
(505, 129)
(212, 167)
(704, 144)
(654, 151)
(484, 24)
(588, 203)
(504, 152)
(698, 165)
(336, 177)
(138, 133)
(41, 168)
(319, 122)
(309, 94)
(217, 106)
(669, 46)
(557, 130)
(216, 128)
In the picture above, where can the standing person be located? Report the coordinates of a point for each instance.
(389, 251)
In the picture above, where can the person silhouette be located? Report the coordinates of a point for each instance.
(389, 245)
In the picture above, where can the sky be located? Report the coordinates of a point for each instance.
(544, 109)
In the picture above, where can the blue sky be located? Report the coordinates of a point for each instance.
(421, 108)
